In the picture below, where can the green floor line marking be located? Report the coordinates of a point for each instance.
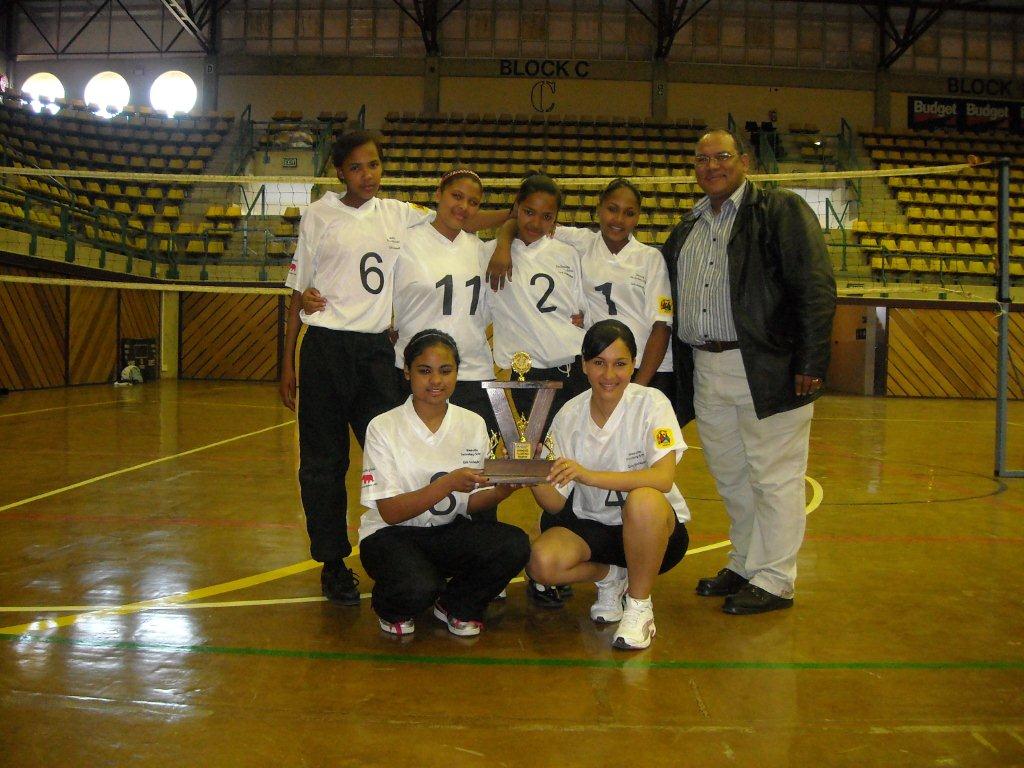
(491, 661)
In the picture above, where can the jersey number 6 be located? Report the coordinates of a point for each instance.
(365, 272)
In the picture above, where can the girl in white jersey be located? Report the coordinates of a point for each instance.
(440, 283)
(626, 521)
(347, 249)
(537, 311)
(422, 472)
(622, 278)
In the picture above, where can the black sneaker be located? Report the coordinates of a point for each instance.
(564, 591)
(545, 597)
(339, 584)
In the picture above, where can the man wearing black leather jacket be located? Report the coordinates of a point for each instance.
(755, 297)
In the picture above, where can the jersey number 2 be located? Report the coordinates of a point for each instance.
(551, 287)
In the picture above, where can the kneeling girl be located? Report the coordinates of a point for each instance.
(626, 521)
(420, 483)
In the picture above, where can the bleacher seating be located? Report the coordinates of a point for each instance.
(107, 213)
(948, 222)
(509, 146)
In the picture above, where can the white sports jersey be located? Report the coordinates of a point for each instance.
(631, 285)
(402, 455)
(533, 312)
(642, 429)
(348, 254)
(439, 283)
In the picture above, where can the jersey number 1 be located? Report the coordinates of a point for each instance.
(606, 290)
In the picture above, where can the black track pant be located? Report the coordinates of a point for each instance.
(345, 379)
(463, 564)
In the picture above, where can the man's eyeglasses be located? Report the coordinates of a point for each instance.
(721, 157)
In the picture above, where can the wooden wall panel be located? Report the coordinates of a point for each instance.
(92, 337)
(950, 353)
(32, 334)
(230, 336)
(139, 315)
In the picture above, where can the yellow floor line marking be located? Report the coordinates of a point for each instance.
(174, 602)
(196, 594)
(57, 408)
(143, 465)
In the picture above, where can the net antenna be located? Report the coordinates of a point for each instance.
(1003, 300)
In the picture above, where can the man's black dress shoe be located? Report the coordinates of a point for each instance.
(725, 582)
(751, 599)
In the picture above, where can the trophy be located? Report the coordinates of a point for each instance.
(521, 435)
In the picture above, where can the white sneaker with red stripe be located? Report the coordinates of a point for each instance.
(636, 628)
(398, 628)
(460, 627)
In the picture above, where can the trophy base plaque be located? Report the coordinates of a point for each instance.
(517, 471)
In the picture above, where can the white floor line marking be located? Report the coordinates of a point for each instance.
(143, 465)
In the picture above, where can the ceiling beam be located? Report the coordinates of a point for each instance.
(184, 13)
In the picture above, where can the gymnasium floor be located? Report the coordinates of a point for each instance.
(174, 508)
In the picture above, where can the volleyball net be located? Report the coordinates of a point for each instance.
(906, 226)
(892, 232)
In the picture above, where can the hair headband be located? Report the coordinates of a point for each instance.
(461, 172)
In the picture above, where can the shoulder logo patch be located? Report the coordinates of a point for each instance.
(665, 305)
(664, 437)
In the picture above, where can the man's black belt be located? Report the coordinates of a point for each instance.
(717, 346)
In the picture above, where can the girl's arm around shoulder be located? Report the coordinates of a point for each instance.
(499, 268)
(580, 238)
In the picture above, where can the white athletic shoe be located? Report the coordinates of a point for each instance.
(607, 609)
(636, 628)
(460, 627)
(398, 628)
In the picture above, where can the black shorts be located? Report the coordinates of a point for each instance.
(605, 541)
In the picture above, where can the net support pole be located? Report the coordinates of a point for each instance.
(1003, 299)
